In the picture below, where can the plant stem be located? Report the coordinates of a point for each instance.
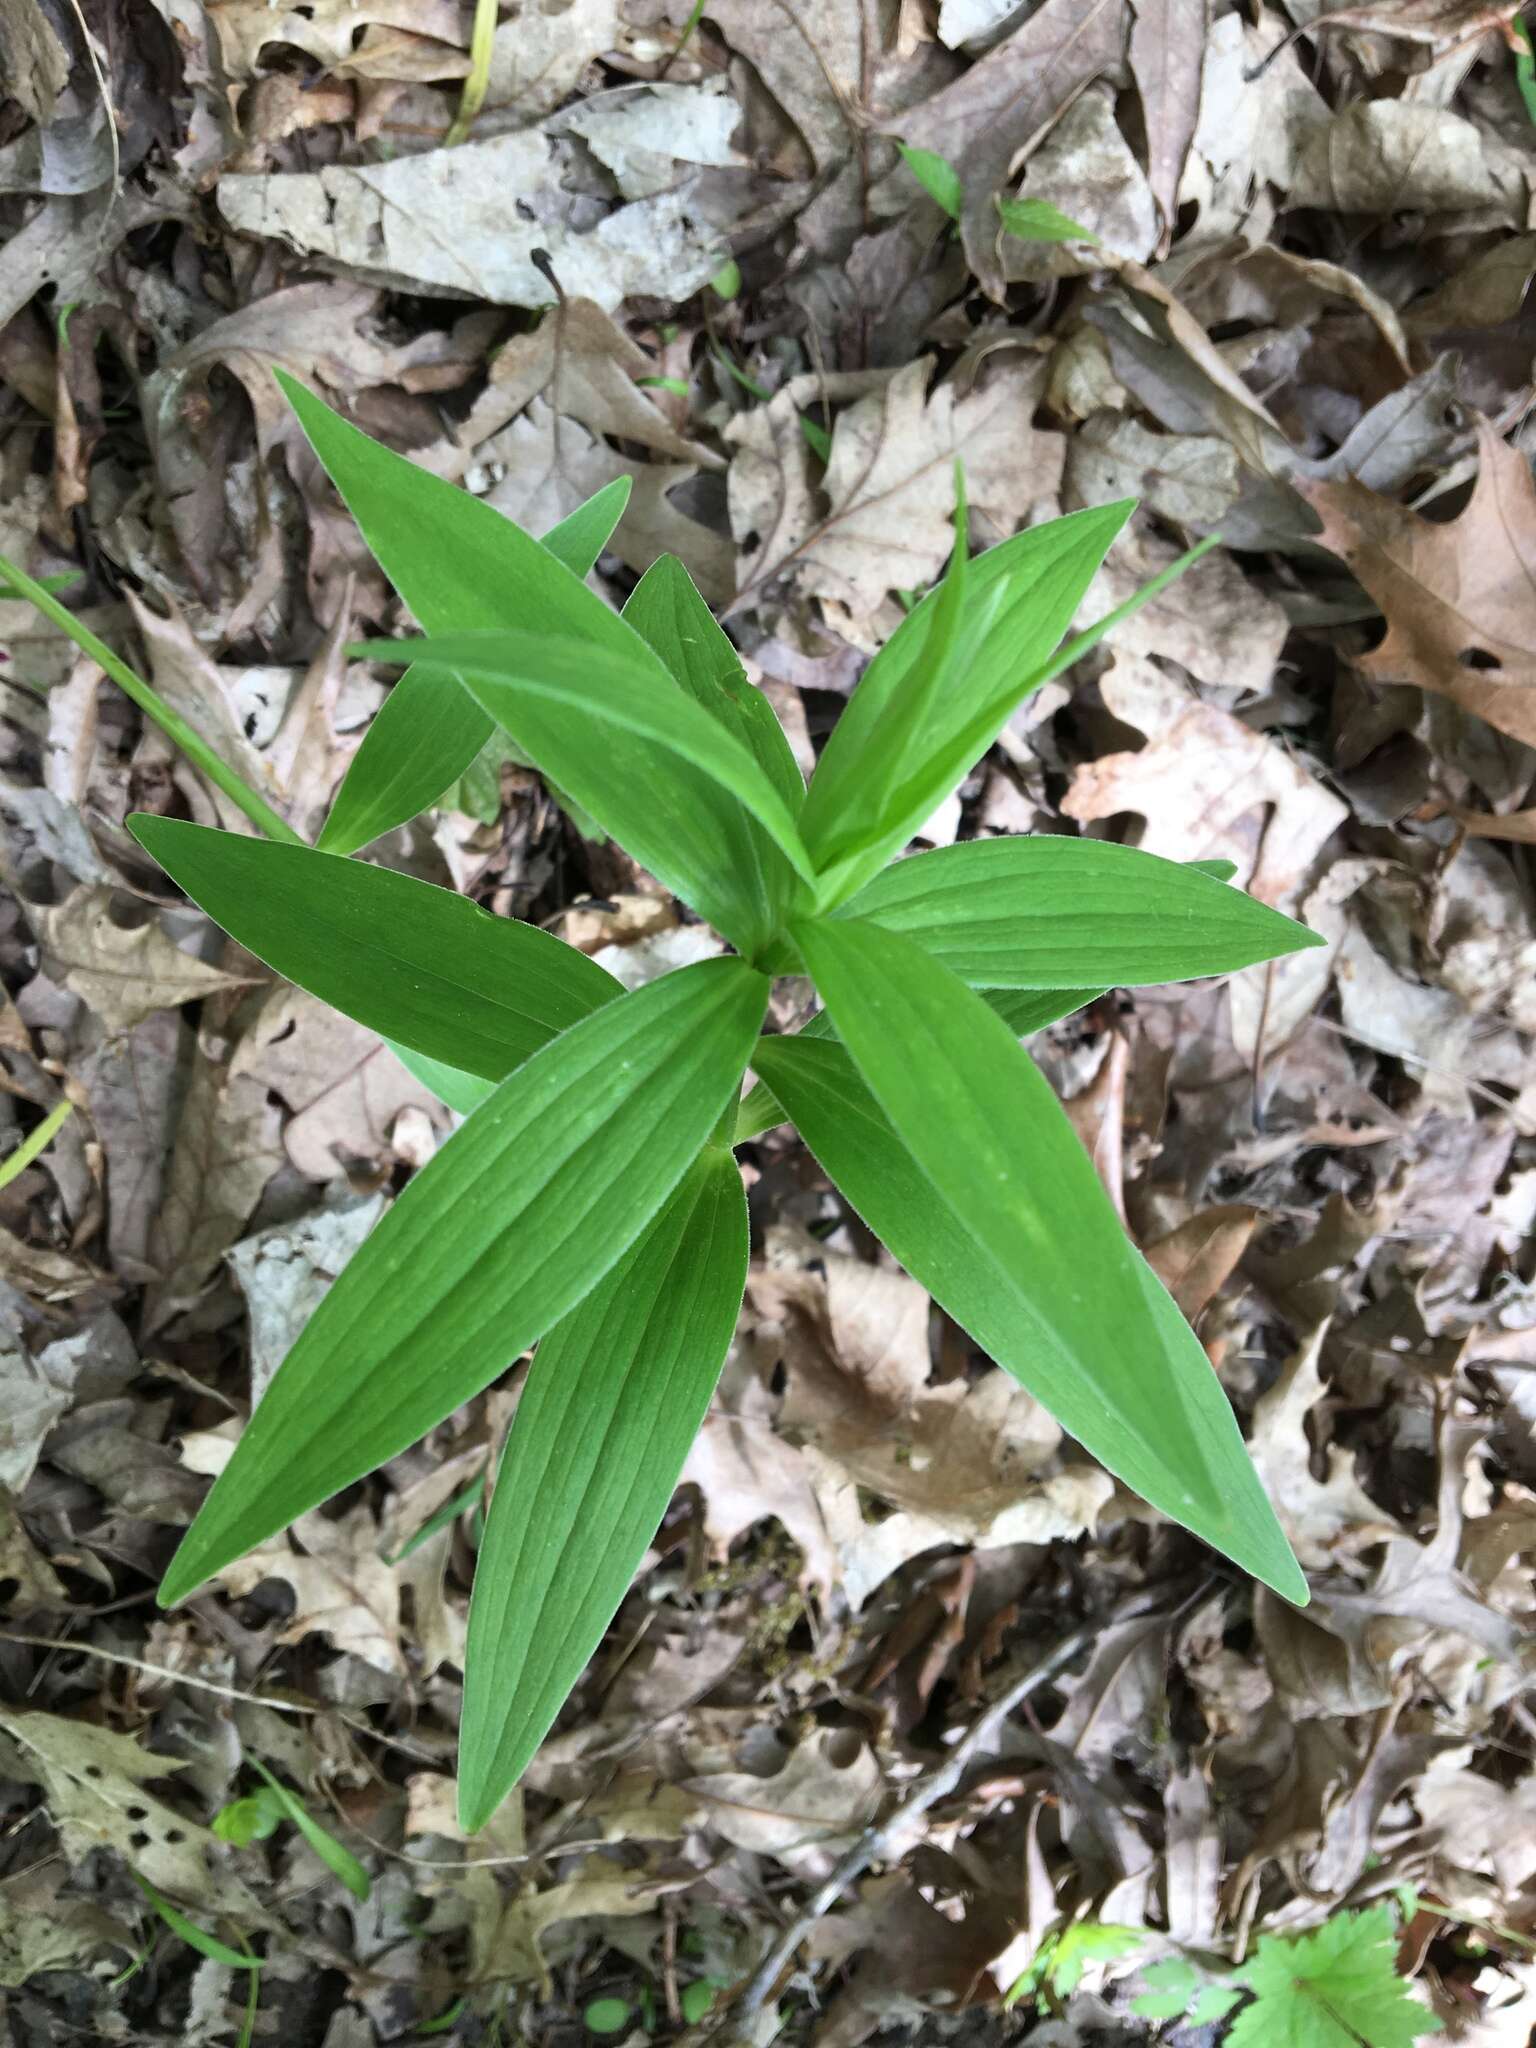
(149, 701)
(17, 1162)
(482, 37)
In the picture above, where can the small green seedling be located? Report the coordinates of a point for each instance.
(1036, 220)
(259, 1815)
(591, 1202)
(1058, 1966)
(937, 176)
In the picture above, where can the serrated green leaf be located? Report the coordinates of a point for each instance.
(194, 1936)
(336, 1857)
(937, 176)
(672, 784)
(1337, 1987)
(424, 967)
(517, 1218)
(458, 563)
(614, 1399)
(1061, 913)
(1020, 599)
(1213, 2004)
(989, 1199)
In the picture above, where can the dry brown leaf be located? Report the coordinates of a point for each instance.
(1085, 169)
(21, 1562)
(95, 1783)
(1196, 1260)
(996, 112)
(890, 481)
(1324, 1519)
(1382, 156)
(1207, 785)
(1167, 63)
(345, 1087)
(828, 1788)
(227, 1148)
(640, 133)
(384, 222)
(342, 1588)
(1421, 21)
(601, 1889)
(33, 60)
(1457, 595)
(585, 366)
(1191, 479)
(810, 55)
(286, 1271)
(323, 29)
(538, 54)
(122, 973)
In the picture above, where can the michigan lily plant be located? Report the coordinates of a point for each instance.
(589, 1202)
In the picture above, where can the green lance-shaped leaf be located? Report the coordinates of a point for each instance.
(667, 611)
(1061, 913)
(1024, 1010)
(425, 968)
(652, 766)
(907, 737)
(426, 734)
(519, 1215)
(999, 1213)
(456, 561)
(614, 1398)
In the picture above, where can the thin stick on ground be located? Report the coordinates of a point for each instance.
(883, 1838)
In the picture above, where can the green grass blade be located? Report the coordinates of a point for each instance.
(336, 1857)
(426, 733)
(654, 768)
(1061, 913)
(194, 1936)
(153, 705)
(35, 1143)
(615, 1396)
(424, 967)
(519, 1215)
(907, 738)
(1000, 1214)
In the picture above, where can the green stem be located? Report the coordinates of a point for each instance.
(481, 39)
(191, 742)
(35, 1142)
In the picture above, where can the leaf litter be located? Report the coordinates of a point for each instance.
(1265, 270)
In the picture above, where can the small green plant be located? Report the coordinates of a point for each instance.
(591, 1203)
(256, 1817)
(1059, 1963)
(1336, 1987)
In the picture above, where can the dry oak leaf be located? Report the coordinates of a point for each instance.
(121, 973)
(95, 1783)
(342, 1588)
(890, 482)
(1322, 1518)
(1459, 597)
(828, 1789)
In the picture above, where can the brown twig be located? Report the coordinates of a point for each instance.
(881, 1839)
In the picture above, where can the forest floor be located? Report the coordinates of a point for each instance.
(1274, 284)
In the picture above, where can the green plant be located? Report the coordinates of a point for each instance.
(591, 1203)
(1336, 1987)
(1059, 1962)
